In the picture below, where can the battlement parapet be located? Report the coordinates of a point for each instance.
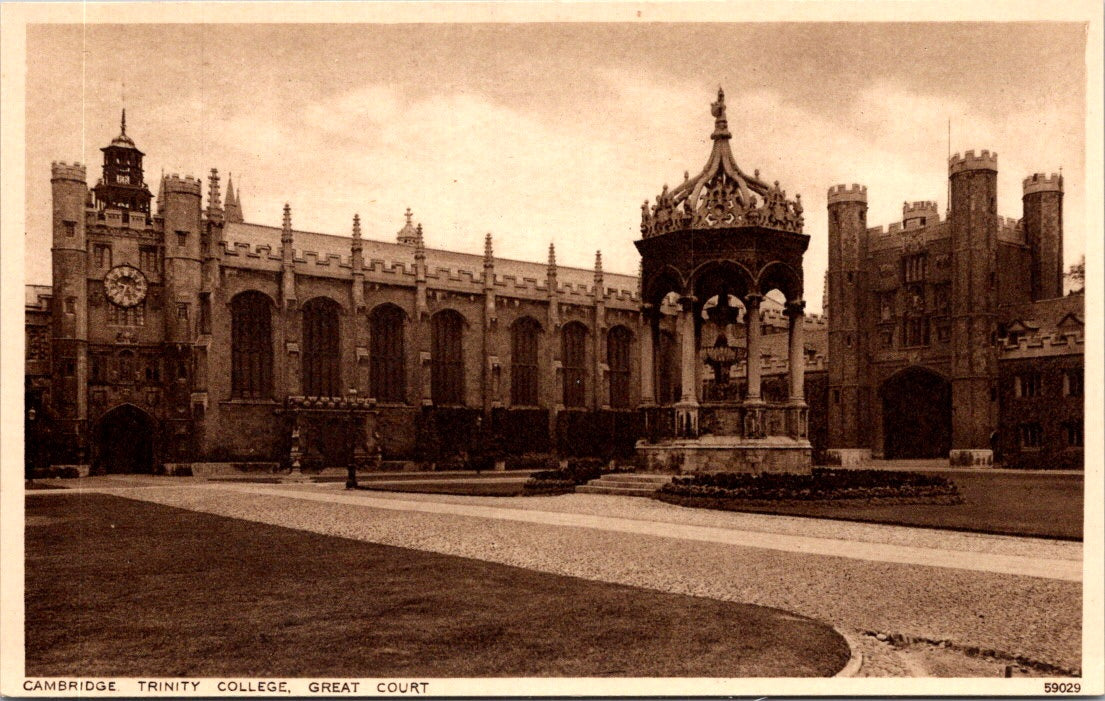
(780, 365)
(175, 184)
(1045, 344)
(60, 170)
(1043, 182)
(846, 193)
(1008, 222)
(879, 230)
(325, 259)
(895, 228)
(985, 160)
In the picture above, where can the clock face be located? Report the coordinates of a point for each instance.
(125, 285)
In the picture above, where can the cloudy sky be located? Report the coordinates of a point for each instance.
(553, 132)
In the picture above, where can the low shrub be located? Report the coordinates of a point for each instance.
(547, 487)
(531, 461)
(55, 472)
(822, 484)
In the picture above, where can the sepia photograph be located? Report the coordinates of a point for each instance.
(494, 349)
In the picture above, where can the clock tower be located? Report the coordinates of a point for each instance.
(122, 185)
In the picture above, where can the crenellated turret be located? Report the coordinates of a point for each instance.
(1043, 232)
(849, 384)
(182, 224)
(69, 310)
(973, 222)
(915, 214)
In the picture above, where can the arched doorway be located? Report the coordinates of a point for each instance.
(916, 415)
(125, 441)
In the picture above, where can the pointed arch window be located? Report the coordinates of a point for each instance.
(321, 349)
(524, 380)
(573, 358)
(250, 346)
(618, 343)
(447, 358)
(388, 369)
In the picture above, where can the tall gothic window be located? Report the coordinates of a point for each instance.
(573, 359)
(618, 343)
(321, 349)
(667, 364)
(251, 346)
(524, 380)
(447, 358)
(388, 370)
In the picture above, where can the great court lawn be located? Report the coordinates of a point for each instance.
(116, 587)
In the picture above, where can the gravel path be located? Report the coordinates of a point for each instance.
(652, 510)
(1036, 618)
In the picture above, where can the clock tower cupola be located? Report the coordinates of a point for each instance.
(122, 185)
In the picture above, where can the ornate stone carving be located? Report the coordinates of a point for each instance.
(722, 195)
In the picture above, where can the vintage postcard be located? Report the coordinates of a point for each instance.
(548, 349)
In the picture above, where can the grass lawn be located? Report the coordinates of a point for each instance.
(474, 489)
(116, 587)
(1005, 503)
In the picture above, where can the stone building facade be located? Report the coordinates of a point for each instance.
(177, 332)
(933, 319)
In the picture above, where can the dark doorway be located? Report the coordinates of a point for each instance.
(916, 415)
(125, 441)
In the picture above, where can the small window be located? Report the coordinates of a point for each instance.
(69, 367)
(836, 396)
(182, 311)
(103, 255)
(70, 305)
(1027, 384)
(130, 316)
(149, 260)
(851, 278)
(1072, 383)
(182, 238)
(1072, 433)
(1031, 436)
(915, 267)
(153, 370)
(70, 228)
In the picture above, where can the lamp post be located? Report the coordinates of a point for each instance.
(31, 439)
(351, 478)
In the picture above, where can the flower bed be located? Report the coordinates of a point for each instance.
(844, 486)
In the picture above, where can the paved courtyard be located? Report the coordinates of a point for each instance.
(967, 603)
